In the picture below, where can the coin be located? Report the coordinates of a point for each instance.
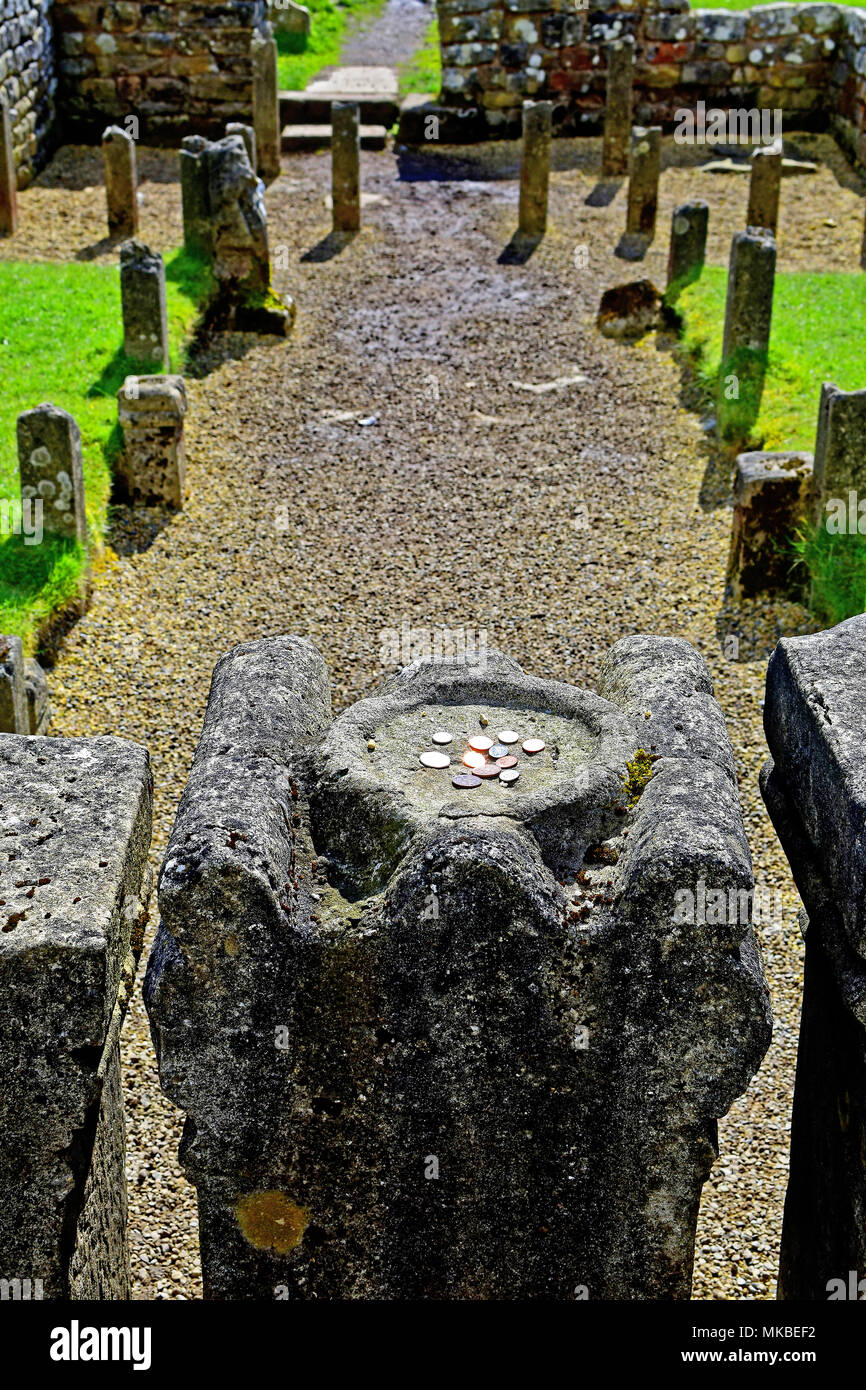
(533, 745)
(498, 750)
(510, 761)
(471, 759)
(465, 779)
(488, 770)
(508, 736)
(509, 774)
(434, 759)
(442, 736)
(480, 743)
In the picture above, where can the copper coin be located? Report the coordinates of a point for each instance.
(473, 760)
(442, 736)
(510, 774)
(508, 736)
(434, 760)
(465, 779)
(499, 750)
(510, 761)
(480, 743)
(488, 770)
(533, 745)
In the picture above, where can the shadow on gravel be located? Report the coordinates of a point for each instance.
(329, 247)
(498, 159)
(603, 194)
(519, 249)
(133, 529)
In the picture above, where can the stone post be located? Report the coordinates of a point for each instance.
(142, 295)
(380, 995)
(121, 182)
(814, 789)
(14, 714)
(688, 243)
(49, 462)
(643, 182)
(71, 922)
(772, 497)
(535, 168)
(266, 104)
(840, 447)
(617, 111)
(197, 235)
(8, 177)
(764, 186)
(346, 165)
(248, 135)
(748, 310)
(152, 464)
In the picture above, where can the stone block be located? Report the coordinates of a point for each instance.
(142, 298)
(50, 467)
(152, 464)
(772, 498)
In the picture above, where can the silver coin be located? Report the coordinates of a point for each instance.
(509, 774)
(434, 759)
(534, 745)
(499, 750)
(442, 736)
(480, 743)
(465, 779)
(508, 736)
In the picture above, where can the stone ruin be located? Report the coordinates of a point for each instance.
(74, 884)
(24, 704)
(815, 789)
(444, 1043)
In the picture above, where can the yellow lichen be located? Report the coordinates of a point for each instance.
(640, 770)
(271, 1221)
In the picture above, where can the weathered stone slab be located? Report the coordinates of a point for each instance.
(630, 311)
(266, 105)
(8, 177)
(772, 497)
(840, 445)
(142, 297)
(748, 311)
(815, 790)
(643, 183)
(346, 166)
(248, 135)
(535, 168)
(49, 463)
(194, 196)
(764, 186)
(378, 997)
(121, 182)
(618, 106)
(76, 816)
(152, 463)
(38, 702)
(688, 245)
(14, 716)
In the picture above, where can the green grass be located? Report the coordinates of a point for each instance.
(837, 570)
(746, 4)
(300, 56)
(63, 343)
(423, 71)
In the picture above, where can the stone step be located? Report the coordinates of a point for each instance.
(304, 108)
(296, 138)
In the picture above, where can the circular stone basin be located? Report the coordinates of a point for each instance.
(371, 795)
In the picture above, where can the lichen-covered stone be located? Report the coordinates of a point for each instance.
(772, 497)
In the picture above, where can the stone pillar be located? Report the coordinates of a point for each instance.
(71, 921)
(248, 135)
(49, 462)
(14, 714)
(38, 702)
(748, 310)
(8, 176)
(764, 186)
(142, 295)
(152, 464)
(380, 995)
(814, 789)
(617, 111)
(688, 244)
(772, 497)
(840, 450)
(643, 181)
(346, 165)
(266, 104)
(197, 236)
(121, 182)
(535, 168)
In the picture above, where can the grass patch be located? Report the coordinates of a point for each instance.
(837, 569)
(300, 56)
(423, 71)
(63, 344)
(747, 4)
(815, 336)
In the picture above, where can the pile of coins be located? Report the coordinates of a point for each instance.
(484, 759)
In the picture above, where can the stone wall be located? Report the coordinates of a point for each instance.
(180, 68)
(27, 77)
(802, 59)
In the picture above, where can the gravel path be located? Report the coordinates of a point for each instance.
(392, 38)
(455, 505)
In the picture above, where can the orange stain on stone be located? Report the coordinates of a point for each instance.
(271, 1221)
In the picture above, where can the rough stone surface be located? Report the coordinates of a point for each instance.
(815, 790)
(643, 183)
(8, 177)
(49, 463)
(618, 108)
(772, 496)
(688, 244)
(346, 166)
(28, 79)
(152, 464)
(121, 182)
(74, 883)
(14, 716)
(629, 311)
(378, 999)
(748, 310)
(765, 184)
(535, 168)
(142, 298)
(840, 453)
(266, 105)
(248, 135)
(38, 701)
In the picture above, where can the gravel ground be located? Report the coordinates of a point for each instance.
(382, 466)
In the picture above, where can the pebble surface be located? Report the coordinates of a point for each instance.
(339, 487)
